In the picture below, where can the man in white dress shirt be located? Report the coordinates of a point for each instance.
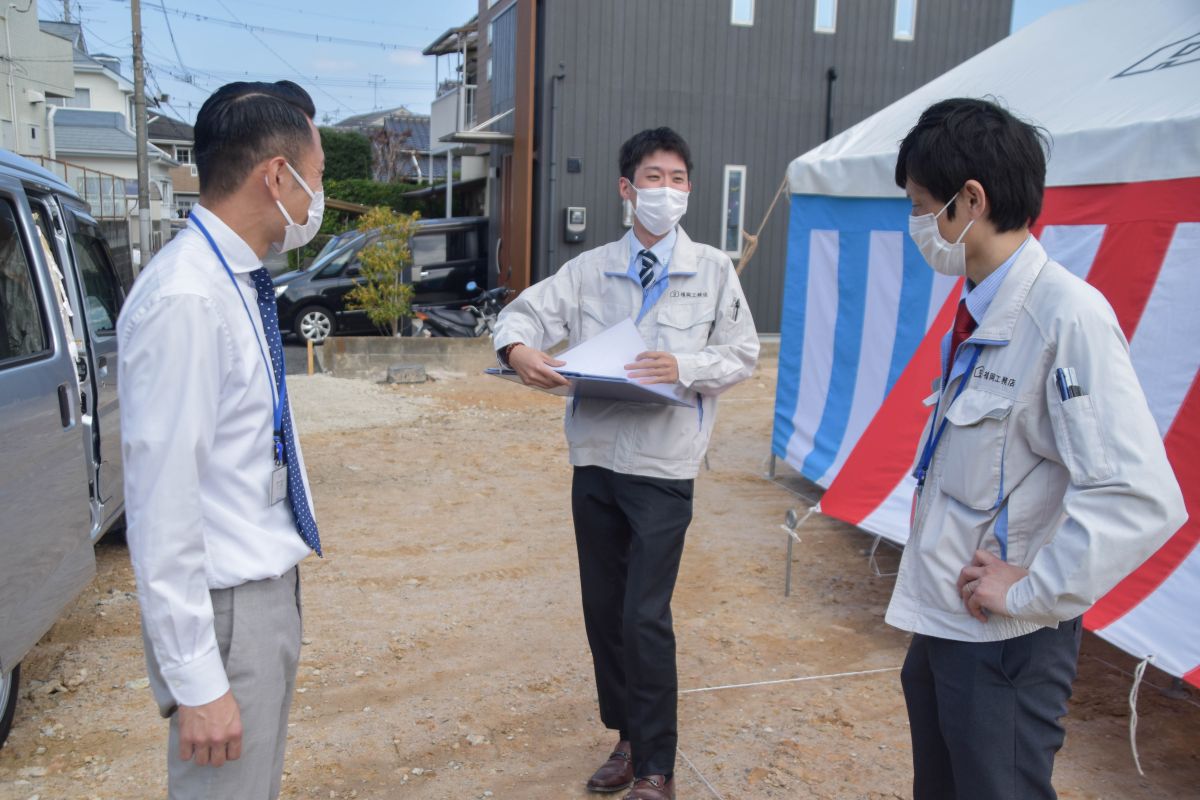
(217, 500)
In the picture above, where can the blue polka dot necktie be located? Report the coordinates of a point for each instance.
(306, 526)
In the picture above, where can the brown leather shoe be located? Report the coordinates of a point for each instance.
(616, 773)
(652, 787)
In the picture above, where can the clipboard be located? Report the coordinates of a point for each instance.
(595, 369)
(599, 387)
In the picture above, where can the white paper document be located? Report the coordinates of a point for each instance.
(596, 368)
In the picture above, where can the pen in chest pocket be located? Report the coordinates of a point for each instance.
(1068, 383)
(737, 306)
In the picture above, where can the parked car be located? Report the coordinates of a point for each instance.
(60, 442)
(448, 254)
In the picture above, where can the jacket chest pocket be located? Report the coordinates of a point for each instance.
(973, 452)
(684, 328)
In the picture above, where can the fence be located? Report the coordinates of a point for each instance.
(113, 207)
(106, 194)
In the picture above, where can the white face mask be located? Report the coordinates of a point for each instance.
(297, 235)
(660, 209)
(945, 257)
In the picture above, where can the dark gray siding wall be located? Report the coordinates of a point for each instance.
(504, 65)
(752, 96)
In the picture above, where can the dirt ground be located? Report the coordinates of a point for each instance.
(445, 656)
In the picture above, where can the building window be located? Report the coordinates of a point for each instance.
(82, 99)
(183, 154)
(825, 18)
(733, 210)
(904, 27)
(22, 325)
(742, 12)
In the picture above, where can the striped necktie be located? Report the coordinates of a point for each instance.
(647, 274)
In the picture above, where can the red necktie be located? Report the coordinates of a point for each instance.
(964, 326)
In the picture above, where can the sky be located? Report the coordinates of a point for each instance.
(1026, 11)
(192, 48)
(191, 57)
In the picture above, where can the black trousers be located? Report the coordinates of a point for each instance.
(629, 531)
(984, 716)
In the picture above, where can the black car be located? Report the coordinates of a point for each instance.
(448, 254)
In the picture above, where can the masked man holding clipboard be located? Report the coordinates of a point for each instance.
(635, 463)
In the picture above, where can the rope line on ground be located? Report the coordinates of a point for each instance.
(791, 680)
(699, 774)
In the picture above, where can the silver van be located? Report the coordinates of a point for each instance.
(60, 443)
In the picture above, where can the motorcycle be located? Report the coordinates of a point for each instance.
(474, 319)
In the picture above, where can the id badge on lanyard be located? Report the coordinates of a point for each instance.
(935, 435)
(278, 490)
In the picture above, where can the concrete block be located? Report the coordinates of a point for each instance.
(406, 373)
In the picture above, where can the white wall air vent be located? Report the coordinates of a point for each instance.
(34, 96)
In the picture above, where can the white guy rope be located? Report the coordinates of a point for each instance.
(699, 775)
(1151, 684)
(791, 680)
(1138, 673)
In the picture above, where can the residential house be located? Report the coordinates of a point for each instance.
(749, 83)
(399, 145)
(176, 139)
(39, 72)
(93, 132)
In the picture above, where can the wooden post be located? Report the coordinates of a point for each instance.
(310, 357)
(519, 245)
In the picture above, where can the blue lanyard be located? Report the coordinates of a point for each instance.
(278, 398)
(931, 443)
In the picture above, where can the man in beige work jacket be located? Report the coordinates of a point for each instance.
(1042, 475)
(635, 463)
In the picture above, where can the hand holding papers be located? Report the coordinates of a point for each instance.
(596, 369)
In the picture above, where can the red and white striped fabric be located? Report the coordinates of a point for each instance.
(1138, 243)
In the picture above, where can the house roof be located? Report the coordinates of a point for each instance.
(80, 130)
(452, 40)
(373, 119)
(415, 126)
(71, 31)
(167, 129)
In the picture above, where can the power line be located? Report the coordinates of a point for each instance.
(313, 37)
(171, 32)
(373, 22)
(316, 80)
(285, 62)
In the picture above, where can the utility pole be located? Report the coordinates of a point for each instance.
(374, 79)
(66, 10)
(139, 112)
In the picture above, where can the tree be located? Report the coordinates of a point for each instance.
(347, 154)
(383, 294)
(392, 149)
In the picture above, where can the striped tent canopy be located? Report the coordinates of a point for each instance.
(1114, 84)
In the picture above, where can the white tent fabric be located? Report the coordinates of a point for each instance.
(1104, 77)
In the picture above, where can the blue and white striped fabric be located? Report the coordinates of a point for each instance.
(857, 294)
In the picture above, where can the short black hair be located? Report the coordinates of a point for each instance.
(242, 124)
(965, 138)
(648, 142)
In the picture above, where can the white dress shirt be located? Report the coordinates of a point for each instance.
(197, 431)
